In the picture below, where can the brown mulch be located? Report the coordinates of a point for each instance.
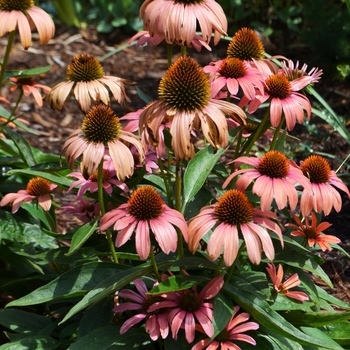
(146, 66)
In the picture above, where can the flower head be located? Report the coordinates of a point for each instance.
(231, 74)
(84, 209)
(156, 322)
(275, 177)
(176, 20)
(312, 232)
(293, 72)
(37, 189)
(232, 215)
(87, 81)
(283, 287)
(29, 86)
(101, 131)
(24, 16)
(145, 211)
(190, 305)
(185, 101)
(322, 196)
(233, 331)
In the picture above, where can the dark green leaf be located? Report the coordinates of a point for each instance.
(27, 73)
(31, 343)
(339, 332)
(176, 283)
(223, 311)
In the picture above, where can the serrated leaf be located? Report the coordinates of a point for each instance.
(81, 236)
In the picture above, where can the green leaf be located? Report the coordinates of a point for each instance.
(81, 236)
(76, 281)
(30, 343)
(223, 311)
(331, 299)
(339, 332)
(145, 98)
(27, 73)
(264, 315)
(23, 147)
(322, 336)
(105, 337)
(176, 283)
(316, 319)
(198, 170)
(23, 322)
(284, 303)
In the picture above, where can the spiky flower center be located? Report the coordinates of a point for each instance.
(310, 233)
(190, 300)
(16, 5)
(232, 68)
(234, 208)
(274, 164)
(246, 45)
(145, 203)
(38, 187)
(84, 67)
(185, 86)
(278, 86)
(250, 127)
(317, 169)
(188, 2)
(105, 176)
(101, 125)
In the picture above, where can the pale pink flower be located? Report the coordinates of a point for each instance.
(156, 322)
(24, 16)
(322, 196)
(283, 287)
(101, 131)
(88, 82)
(293, 72)
(234, 213)
(176, 21)
(312, 233)
(37, 189)
(284, 100)
(233, 74)
(233, 331)
(84, 209)
(145, 211)
(29, 86)
(90, 183)
(275, 178)
(150, 162)
(144, 38)
(190, 305)
(185, 101)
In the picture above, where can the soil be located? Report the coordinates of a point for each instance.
(146, 66)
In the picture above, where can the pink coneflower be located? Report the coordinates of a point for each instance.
(37, 189)
(283, 288)
(176, 20)
(24, 16)
(232, 215)
(283, 99)
(312, 233)
(144, 38)
(29, 86)
(150, 162)
(90, 183)
(185, 101)
(322, 196)
(231, 74)
(146, 212)
(84, 209)
(275, 178)
(156, 322)
(88, 82)
(233, 331)
(102, 131)
(293, 72)
(190, 305)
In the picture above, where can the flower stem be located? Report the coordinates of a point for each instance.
(169, 193)
(178, 197)
(183, 50)
(263, 126)
(154, 264)
(276, 134)
(103, 210)
(170, 54)
(232, 267)
(6, 56)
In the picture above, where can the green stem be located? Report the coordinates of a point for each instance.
(183, 50)
(276, 134)
(238, 145)
(263, 126)
(169, 193)
(178, 197)
(232, 267)
(103, 210)
(154, 264)
(170, 54)
(6, 57)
